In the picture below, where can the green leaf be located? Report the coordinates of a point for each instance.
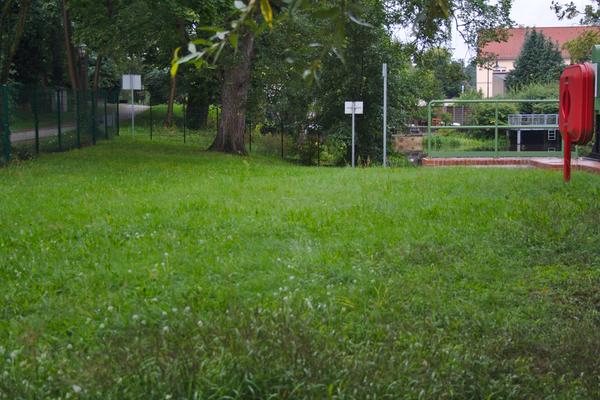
(174, 64)
(202, 42)
(233, 39)
(267, 12)
(209, 28)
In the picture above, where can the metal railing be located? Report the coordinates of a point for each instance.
(529, 125)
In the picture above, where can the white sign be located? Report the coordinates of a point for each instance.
(132, 82)
(353, 107)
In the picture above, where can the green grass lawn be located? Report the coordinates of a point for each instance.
(152, 270)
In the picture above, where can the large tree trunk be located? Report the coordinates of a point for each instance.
(15, 42)
(234, 94)
(71, 64)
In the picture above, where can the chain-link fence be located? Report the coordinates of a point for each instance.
(36, 120)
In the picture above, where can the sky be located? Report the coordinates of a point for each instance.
(526, 13)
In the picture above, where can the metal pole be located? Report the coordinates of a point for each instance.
(496, 132)
(36, 119)
(118, 114)
(429, 129)
(353, 140)
(151, 119)
(78, 117)
(5, 123)
(318, 149)
(384, 115)
(105, 117)
(94, 99)
(58, 119)
(132, 108)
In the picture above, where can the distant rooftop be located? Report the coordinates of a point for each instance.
(510, 49)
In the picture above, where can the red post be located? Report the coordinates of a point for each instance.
(567, 158)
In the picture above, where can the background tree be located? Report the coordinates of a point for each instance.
(539, 61)
(13, 16)
(588, 15)
(449, 74)
(431, 22)
(580, 48)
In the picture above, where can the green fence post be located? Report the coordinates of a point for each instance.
(496, 131)
(58, 118)
(5, 124)
(429, 129)
(118, 94)
(78, 117)
(184, 121)
(105, 116)
(318, 148)
(36, 120)
(151, 119)
(93, 116)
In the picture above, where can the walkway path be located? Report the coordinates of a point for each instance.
(24, 135)
(582, 164)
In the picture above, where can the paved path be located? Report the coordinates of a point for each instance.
(582, 164)
(25, 135)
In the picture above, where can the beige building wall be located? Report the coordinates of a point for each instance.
(485, 77)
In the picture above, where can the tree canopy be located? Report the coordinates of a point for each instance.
(539, 61)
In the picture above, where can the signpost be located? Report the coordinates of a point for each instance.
(353, 107)
(132, 82)
(384, 115)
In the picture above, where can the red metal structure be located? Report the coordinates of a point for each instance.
(576, 109)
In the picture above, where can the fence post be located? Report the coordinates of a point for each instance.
(429, 129)
(250, 134)
(318, 149)
(496, 131)
(151, 119)
(58, 118)
(78, 117)
(118, 93)
(36, 119)
(5, 123)
(184, 121)
(93, 116)
(105, 115)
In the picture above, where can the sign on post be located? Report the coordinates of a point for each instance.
(353, 107)
(132, 82)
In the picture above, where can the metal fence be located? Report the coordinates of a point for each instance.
(499, 136)
(38, 120)
(152, 122)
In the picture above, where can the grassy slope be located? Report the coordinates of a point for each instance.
(141, 270)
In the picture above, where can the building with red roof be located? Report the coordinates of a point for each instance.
(490, 80)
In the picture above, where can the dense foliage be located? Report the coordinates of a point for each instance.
(580, 48)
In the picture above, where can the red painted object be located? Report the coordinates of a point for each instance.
(576, 109)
